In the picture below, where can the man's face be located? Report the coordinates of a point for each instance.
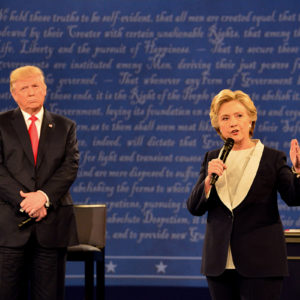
(29, 93)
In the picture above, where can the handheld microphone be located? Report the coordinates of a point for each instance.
(226, 149)
(27, 221)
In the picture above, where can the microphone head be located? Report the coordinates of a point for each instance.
(229, 144)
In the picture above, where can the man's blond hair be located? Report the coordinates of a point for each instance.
(24, 72)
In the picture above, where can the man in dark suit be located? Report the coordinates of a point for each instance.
(38, 163)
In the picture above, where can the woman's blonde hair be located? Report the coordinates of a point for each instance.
(24, 72)
(227, 96)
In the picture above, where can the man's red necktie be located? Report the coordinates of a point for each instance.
(34, 136)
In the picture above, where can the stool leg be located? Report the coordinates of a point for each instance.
(100, 280)
(89, 279)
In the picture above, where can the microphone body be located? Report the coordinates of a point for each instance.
(226, 149)
(25, 222)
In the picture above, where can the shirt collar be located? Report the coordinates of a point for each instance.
(39, 115)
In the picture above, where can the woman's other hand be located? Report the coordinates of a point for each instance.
(295, 155)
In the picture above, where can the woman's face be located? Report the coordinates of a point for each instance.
(234, 122)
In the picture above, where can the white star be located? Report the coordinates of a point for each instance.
(111, 267)
(161, 268)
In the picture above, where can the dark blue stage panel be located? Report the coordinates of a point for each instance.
(138, 78)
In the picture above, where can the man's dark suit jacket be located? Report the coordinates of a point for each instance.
(253, 228)
(54, 173)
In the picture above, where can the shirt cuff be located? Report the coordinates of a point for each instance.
(295, 172)
(47, 204)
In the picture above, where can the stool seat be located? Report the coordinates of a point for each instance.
(84, 248)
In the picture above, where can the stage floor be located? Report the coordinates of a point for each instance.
(143, 293)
